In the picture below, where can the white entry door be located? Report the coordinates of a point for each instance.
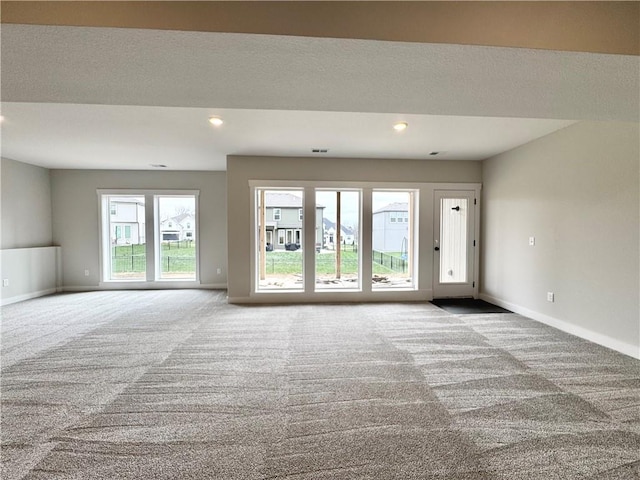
(455, 242)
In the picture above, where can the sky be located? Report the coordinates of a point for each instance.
(170, 206)
(349, 203)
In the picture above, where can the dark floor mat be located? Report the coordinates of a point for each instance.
(467, 306)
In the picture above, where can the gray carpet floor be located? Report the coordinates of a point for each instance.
(180, 385)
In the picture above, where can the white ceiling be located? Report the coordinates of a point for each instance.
(77, 97)
(127, 137)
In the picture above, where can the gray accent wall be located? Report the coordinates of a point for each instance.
(76, 218)
(26, 205)
(577, 191)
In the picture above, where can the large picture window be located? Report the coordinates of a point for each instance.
(346, 238)
(338, 255)
(124, 242)
(176, 252)
(392, 239)
(280, 266)
(149, 236)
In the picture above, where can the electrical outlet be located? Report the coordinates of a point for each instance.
(219, 271)
(532, 241)
(86, 273)
(550, 297)
(5, 282)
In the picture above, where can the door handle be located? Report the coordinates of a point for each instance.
(457, 209)
(437, 249)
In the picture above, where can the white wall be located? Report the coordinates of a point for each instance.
(31, 272)
(578, 192)
(240, 170)
(26, 205)
(28, 262)
(76, 218)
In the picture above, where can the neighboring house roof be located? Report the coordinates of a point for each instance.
(181, 217)
(394, 207)
(177, 219)
(328, 224)
(282, 200)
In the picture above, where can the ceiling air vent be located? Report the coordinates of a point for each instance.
(319, 150)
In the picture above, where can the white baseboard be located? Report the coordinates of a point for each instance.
(28, 296)
(214, 286)
(335, 296)
(595, 337)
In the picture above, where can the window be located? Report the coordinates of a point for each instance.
(338, 261)
(279, 267)
(300, 214)
(393, 242)
(176, 257)
(124, 250)
(328, 251)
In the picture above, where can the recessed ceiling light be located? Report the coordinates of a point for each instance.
(400, 126)
(215, 121)
(157, 165)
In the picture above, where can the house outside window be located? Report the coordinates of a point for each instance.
(277, 214)
(113, 209)
(299, 214)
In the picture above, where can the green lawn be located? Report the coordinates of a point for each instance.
(176, 257)
(181, 259)
(283, 263)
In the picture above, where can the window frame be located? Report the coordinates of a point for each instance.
(284, 235)
(151, 235)
(332, 237)
(402, 217)
(158, 234)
